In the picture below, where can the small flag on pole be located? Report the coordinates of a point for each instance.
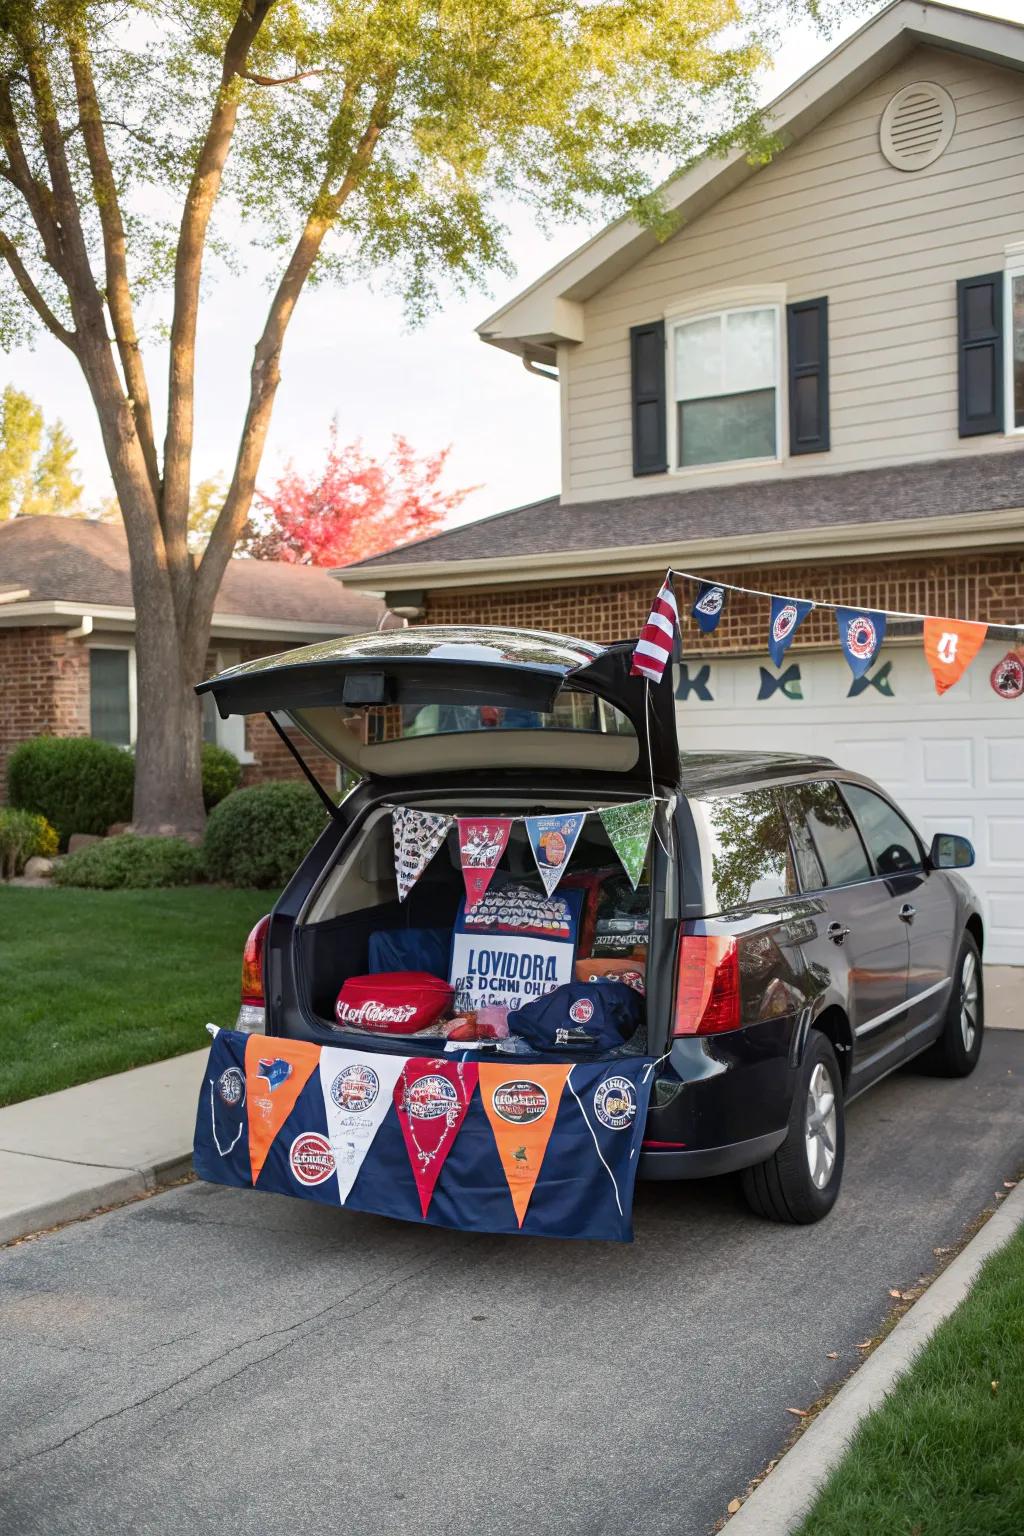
(654, 648)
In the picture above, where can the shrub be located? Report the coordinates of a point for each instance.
(222, 772)
(132, 863)
(78, 784)
(258, 836)
(23, 835)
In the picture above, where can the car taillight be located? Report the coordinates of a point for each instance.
(252, 1015)
(708, 993)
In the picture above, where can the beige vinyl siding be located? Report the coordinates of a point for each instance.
(828, 217)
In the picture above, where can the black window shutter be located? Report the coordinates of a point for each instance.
(979, 303)
(807, 347)
(647, 362)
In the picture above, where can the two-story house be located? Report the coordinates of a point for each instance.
(814, 388)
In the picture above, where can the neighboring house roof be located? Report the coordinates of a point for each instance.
(551, 310)
(947, 503)
(83, 566)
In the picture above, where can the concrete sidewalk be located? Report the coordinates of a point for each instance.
(70, 1153)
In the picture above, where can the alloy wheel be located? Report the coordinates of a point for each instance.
(820, 1126)
(969, 1001)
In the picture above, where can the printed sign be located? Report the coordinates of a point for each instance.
(522, 1112)
(513, 946)
(787, 614)
(418, 835)
(950, 645)
(553, 839)
(481, 845)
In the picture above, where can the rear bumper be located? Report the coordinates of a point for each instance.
(721, 1102)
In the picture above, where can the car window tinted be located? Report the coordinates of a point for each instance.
(890, 840)
(746, 848)
(812, 876)
(835, 837)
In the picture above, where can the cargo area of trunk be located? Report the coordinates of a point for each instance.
(355, 914)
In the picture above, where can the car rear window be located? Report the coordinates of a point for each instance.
(746, 850)
(840, 852)
(573, 710)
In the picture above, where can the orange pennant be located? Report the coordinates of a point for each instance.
(950, 646)
(276, 1071)
(522, 1110)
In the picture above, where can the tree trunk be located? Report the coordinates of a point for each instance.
(168, 780)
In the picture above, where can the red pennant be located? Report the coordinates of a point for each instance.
(431, 1098)
(482, 842)
(950, 646)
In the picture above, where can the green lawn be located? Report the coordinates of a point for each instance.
(944, 1456)
(92, 982)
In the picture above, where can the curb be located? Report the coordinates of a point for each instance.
(780, 1502)
(116, 1189)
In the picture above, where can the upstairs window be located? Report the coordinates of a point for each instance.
(726, 386)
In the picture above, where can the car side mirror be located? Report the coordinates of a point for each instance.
(951, 852)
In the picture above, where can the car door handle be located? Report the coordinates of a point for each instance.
(908, 912)
(836, 932)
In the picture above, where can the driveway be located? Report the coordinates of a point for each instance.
(209, 1361)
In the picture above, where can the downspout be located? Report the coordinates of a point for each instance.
(531, 365)
(83, 631)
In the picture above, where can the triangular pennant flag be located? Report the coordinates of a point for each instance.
(553, 839)
(431, 1098)
(357, 1093)
(629, 831)
(950, 646)
(481, 844)
(861, 632)
(276, 1071)
(788, 613)
(653, 650)
(418, 835)
(522, 1108)
(709, 606)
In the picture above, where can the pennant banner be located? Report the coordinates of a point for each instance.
(546, 1148)
(418, 835)
(950, 645)
(709, 606)
(553, 839)
(861, 632)
(1007, 676)
(481, 844)
(629, 831)
(431, 1097)
(522, 1107)
(787, 614)
(654, 648)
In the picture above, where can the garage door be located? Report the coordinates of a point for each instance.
(955, 764)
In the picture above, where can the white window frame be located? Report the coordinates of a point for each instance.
(230, 733)
(1014, 268)
(709, 306)
(133, 688)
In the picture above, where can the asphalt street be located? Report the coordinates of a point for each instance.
(212, 1361)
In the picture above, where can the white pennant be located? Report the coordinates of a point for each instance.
(418, 835)
(358, 1090)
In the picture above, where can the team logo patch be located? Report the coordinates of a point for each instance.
(520, 1101)
(1008, 677)
(861, 637)
(311, 1158)
(582, 1011)
(355, 1088)
(785, 622)
(615, 1103)
(275, 1071)
(231, 1087)
(430, 1098)
(711, 602)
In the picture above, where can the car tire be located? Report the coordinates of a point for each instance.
(956, 1051)
(800, 1182)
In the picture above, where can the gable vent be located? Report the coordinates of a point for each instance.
(917, 125)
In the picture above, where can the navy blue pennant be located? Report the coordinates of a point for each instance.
(709, 605)
(861, 632)
(788, 613)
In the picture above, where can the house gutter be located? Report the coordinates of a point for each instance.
(114, 617)
(844, 541)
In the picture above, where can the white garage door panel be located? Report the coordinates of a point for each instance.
(955, 764)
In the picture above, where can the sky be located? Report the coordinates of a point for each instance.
(349, 354)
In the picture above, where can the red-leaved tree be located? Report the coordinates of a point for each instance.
(357, 506)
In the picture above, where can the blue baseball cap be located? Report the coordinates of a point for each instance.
(583, 1016)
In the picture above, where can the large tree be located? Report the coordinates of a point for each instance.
(37, 473)
(352, 135)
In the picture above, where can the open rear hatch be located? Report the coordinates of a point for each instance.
(437, 700)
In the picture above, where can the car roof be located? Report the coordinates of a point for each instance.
(725, 770)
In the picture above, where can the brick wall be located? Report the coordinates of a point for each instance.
(274, 761)
(984, 587)
(44, 687)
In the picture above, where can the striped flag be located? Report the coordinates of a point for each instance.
(657, 638)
